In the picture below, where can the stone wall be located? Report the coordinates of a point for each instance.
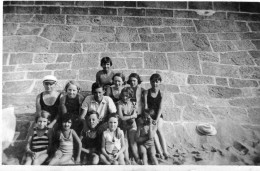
(208, 54)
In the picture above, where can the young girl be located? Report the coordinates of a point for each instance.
(127, 113)
(90, 140)
(39, 141)
(104, 77)
(153, 100)
(49, 100)
(66, 137)
(146, 130)
(118, 84)
(113, 144)
(134, 81)
(71, 103)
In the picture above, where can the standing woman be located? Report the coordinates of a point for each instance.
(118, 84)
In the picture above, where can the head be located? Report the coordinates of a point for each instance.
(118, 79)
(106, 63)
(126, 94)
(49, 82)
(113, 121)
(92, 119)
(66, 121)
(72, 88)
(134, 79)
(147, 115)
(43, 119)
(98, 91)
(155, 80)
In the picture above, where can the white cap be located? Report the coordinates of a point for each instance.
(49, 78)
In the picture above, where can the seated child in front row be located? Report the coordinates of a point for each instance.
(39, 140)
(66, 137)
(146, 130)
(90, 140)
(71, 103)
(113, 144)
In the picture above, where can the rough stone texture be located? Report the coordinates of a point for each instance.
(38, 75)
(17, 18)
(256, 56)
(29, 29)
(88, 74)
(138, 22)
(197, 113)
(223, 92)
(183, 100)
(151, 37)
(221, 81)
(85, 61)
(242, 83)
(58, 33)
(222, 46)
(184, 62)
(44, 58)
(254, 26)
(134, 63)
(177, 22)
(228, 36)
(49, 19)
(220, 70)
(118, 47)
(245, 102)
(196, 90)
(208, 56)
(139, 46)
(244, 45)
(66, 74)
(155, 61)
(236, 58)
(253, 114)
(17, 86)
(193, 79)
(256, 43)
(9, 29)
(33, 67)
(8, 68)
(64, 58)
(13, 76)
(94, 47)
(126, 35)
(82, 37)
(21, 58)
(249, 72)
(195, 42)
(65, 48)
(166, 47)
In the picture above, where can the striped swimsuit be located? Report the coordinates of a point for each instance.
(39, 143)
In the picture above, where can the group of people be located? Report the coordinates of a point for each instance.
(118, 121)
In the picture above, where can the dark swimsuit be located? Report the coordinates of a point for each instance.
(112, 96)
(154, 103)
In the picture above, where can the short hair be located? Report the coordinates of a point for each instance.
(119, 74)
(127, 90)
(92, 112)
(96, 85)
(106, 60)
(135, 75)
(66, 117)
(156, 77)
(71, 82)
(43, 114)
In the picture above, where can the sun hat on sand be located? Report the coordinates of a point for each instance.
(206, 129)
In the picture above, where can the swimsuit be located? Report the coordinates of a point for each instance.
(66, 144)
(39, 143)
(154, 103)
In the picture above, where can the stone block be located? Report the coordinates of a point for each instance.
(221, 81)
(200, 5)
(75, 10)
(17, 18)
(50, 10)
(245, 102)
(38, 75)
(119, 63)
(8, 68)
(169, 88)
(126, 34)
(253, 114)
(49, 19)
(151, 37)
(163, 4)
(221, 113)
(17, 86)
(89, 3)
(159, 13)
(131, 12)
(134, 63)
(5, 58)
(256, 91)
(10, 76)
(253, 7)
(166, 47)
(177, 22)
(44, 58)
(207, 26)
(102, 11)
(98, 47)
(155, 61)
(139, 46)
(25, 44)
(183, 99)
(161, 29)
(197, 113)
(94, 37)
(27, 10)
(254, 26)
(95, 20)
(249, 35)
(58, 66)
(209, 101)
(64, 58)
(66, 74)
(195, 90)
(238, 16)
(144, 30)
(222, 46)
(241, 27)
(88, 74)
(227, 36)
(212, 36)
(131, 55)
(220, 70)
(22, 127)
(19, 99)
(9, 29)
(85, 85)
(118, 47)
(119, 4)
(65, 48)
(172, 37)
(249, 72)
(256, 56)
(236, 58)
(171, 114)
(224, 92)
(208, 56)
(226, 6)
(140, 22)
(8, 9)
(85, 61)
(103, 29)
(21, 58)
(170, 77)
(242, 83)
(187, 62)
(195, 42)
(256, 43)
(194, 79)
(85, 28)
(59, 33)
(110, 54)
(56, 3)
(244, 45)
(29, 29)
(31, 67)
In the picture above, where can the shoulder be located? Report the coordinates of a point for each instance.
(107, 99)
(88, 98)
(161, 93)
(80, 97)
(99, 72)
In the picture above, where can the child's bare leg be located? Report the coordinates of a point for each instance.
(121, 160)
(151, 152)
(162, 139)
(133, 144)
(65, 158)
(143, 154)
(158, 145)
(104, 159)
(55, 159)
(95, 159)
(28, 160)
(126, 154)
(40, 159)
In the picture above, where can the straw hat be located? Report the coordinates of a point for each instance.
(206, 129)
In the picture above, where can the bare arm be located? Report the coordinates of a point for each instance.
(103, 150)
(145, 99)
(123, 147)
(160, 107)
(83, 149)
(120, 113)
(38, 105)
(62, 105)
(75, 137)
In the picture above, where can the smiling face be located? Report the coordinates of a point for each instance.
(125, 97)
(106, 66)
(112, 123)
(118, 82)
(92, 121)
(72, 91)
(133, 82)
(98, 94)
(42, 122)
(49, 85)
(155, 83)
(67, 124)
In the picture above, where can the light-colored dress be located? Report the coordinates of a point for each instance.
(112, 142)
(66, 144)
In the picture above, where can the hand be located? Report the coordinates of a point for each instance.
(77, 160)
(134, 115)
(50, 126)
(154, 122)
(116, 155)
(110, 158)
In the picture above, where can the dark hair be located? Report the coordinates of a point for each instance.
(71, 82)
(119, 74)
(91, 113)
(127, 90)
(156, 77)
(106, 60)
(111, 115)
(96, 85)
(43, 114)
(135, 75)
(66, 117)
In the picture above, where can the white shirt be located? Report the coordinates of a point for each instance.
(105, 106)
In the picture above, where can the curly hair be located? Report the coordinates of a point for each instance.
(71, 82)
(135, 75)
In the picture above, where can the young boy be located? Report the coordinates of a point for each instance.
(104, 77)
(146, 130)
